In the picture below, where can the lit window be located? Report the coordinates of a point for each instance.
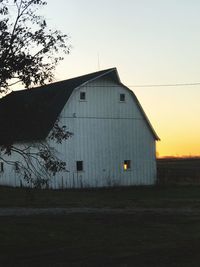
(127, 165)
(79, 166)
(122, 97)
(82, 96)
(1, 167)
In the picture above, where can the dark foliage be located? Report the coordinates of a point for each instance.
(29, 53)
(29, 50)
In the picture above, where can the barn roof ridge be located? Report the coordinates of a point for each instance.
(28, 115)
(82, 79)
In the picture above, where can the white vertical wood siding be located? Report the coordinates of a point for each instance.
(105, 133)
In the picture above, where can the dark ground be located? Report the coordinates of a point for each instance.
(180, 171)
(100, 240)
(162, 230)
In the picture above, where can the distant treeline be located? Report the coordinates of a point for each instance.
(178, 157)
(178, 170)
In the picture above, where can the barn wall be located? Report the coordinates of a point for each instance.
(105, 133)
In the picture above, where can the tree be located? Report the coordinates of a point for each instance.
(29, 53)
(29, 50)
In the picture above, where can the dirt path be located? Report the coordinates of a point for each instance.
(64, 211)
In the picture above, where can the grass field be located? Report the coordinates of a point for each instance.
(142, 239)
(127, 197)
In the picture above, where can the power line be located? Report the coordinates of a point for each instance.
(151, 85)
(165, 85)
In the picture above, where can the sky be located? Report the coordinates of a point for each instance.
(149, 42)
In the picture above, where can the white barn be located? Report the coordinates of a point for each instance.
(113, 142)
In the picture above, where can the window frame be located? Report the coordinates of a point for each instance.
(127, 165)
(123, 97)
(79, 166)
(1, 167)
(82, 93)
(16, 167)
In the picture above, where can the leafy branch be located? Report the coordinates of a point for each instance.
(28, 48)
(29, 53)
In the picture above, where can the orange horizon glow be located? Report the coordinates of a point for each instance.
(174, 115)
(178, 146)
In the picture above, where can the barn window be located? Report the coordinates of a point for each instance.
(127, 165)
(16, 167)
(79, 166)
(1, 167)
(122, 98)
(82, 96)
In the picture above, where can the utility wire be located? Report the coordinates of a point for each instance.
(166, 85)
(151, 85)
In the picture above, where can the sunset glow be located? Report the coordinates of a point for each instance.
(150, 42)
(174, 114)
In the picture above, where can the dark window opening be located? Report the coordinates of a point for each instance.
(79, 166)
(16, 167)
(1, 167)
(122, 97)
(127, 165)
(82, 95)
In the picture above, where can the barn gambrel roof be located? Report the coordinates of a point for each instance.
(29, 115)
